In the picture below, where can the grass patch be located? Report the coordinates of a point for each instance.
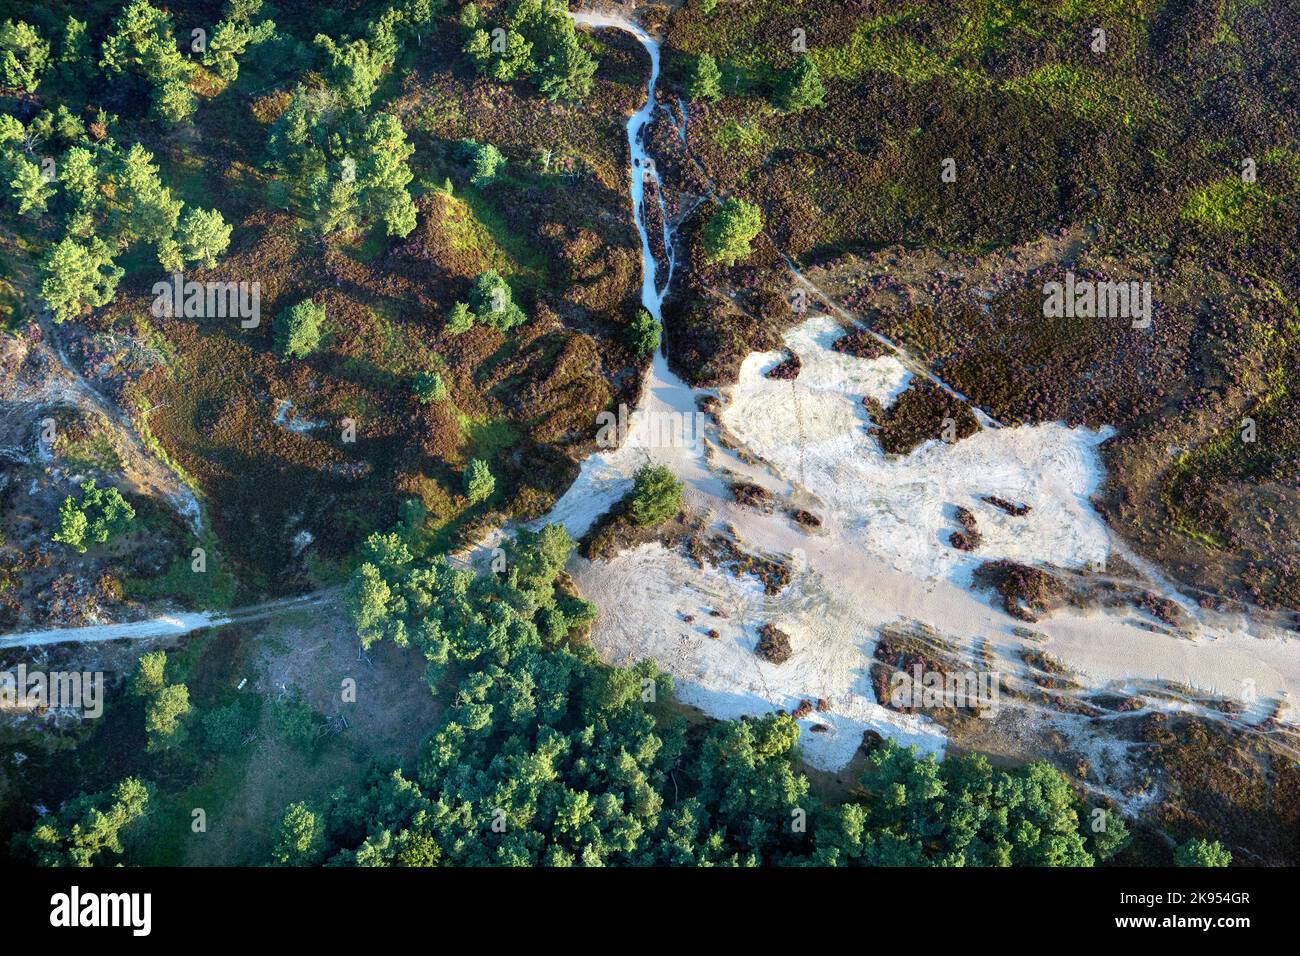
(1086, 94)
(1227, 204)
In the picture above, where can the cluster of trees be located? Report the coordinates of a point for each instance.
(545, 756)
(166, 705)
(141, 51)
(338, 167)
(87, 827)
(455, 615)
(491, 302)
(796, 89)
(98, 516)
(143, 45)
(103, 199)
(536, 40)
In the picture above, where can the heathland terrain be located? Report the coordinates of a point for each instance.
(338, 300)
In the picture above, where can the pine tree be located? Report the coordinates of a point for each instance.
(706, 80)
(801, 87)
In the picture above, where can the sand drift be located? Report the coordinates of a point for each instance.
(881, 555)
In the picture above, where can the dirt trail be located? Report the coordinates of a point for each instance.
(168, 625)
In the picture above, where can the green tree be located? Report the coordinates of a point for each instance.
(503, 57)
(234, 33)
(429, 387)
(72, 525)
(484, 161)
(335, 198)
(79, 176)
(144, 209)
(31, 191)
(656, 495)
(142, 43)
(1111, 838)
(163, 715)
(298, 724)
(296, 330)
(224, 728)
(479, 482)
(203, 236)
(705, 82)
(149, 676)
(643, 333)
(78, 275)
(75, 62)
(801, 87)
(384, 174)
(372, 605)
(299, 837)
(493, 303)
(353, 69)
(98, 516)
(24, 56)
(460, 319)
(728, 233)
(568, 71)
(1199, 852)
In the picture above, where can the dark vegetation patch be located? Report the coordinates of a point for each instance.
(786, 369)
(1240, 787)
(969, 537)
(708, 331)
(724, 550)
(1014, 508)
(924, 412)
(752, 495)
(1030, 593)
(906, 654)
(861, 344)
(774, 647)
(805, 519)
(1027, 593)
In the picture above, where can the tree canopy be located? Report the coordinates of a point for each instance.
(728, 233)
(296, 331)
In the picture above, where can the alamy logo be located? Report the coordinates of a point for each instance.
(21, 689)
(935, 690)
(650, 429)
(1090, 299)
(73, 909)
(176, 298)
